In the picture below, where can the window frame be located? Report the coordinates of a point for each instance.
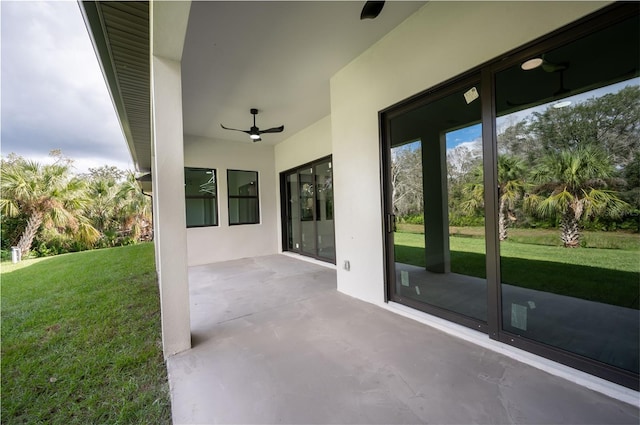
(213, 197)
(574, 31)
(286, 195)
(230, 197)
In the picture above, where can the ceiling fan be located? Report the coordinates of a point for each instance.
(254, 132)
(371, 9)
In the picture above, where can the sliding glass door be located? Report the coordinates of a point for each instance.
(511, 197)
(307, 195)
(436, 242)
(307, 200)
(568, 143)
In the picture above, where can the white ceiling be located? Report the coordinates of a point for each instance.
(277, 57)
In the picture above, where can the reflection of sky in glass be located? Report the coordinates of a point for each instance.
(463, 135)
(473, 132)
(577, 99)
(408, 146)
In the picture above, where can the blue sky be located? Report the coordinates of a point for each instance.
(53, 93)
(464, 135)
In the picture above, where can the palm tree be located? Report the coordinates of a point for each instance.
(511, 172)
(46, 195)
(118, 209)
(573, 186)
(134, 209)
(104, 198)
(473, 191)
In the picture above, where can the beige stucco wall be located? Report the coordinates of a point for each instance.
(438, 42)
(314, 142)
(224, 242)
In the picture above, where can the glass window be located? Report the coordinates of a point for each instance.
(292, 212)
(532, 231)
(324, 211)
(243, 197)
(438, 203)
(568, 141)
(308, 220)
(201, 203)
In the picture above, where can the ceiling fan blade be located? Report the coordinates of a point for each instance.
(371, 9)
(235, 129)
(273, 130)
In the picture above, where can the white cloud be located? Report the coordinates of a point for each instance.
(474, 146)
(462, 157)
(82, 165)
(53, 93)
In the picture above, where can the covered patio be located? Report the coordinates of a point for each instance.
(274, 342)
(252, 335)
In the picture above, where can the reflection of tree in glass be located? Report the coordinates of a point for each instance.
(406, 178)
(581, 158)
(611, 122)
(209, 186)
(307, 189)
(573, 186)
(607, 127)
(511, 186)
(326, 185)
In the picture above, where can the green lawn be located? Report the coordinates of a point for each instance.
(605, 275)
(551, 237)
(81, 340)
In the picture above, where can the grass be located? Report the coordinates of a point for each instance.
(81, 340)
(550, 237)
(603, 275)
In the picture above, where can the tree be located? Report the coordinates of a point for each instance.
(105, 172)
(118, 209)
(406, 178)
(462, 160)
(511, 186)
(102, 188)
(469, 197)
(573, 186)
(631, 174)
(135, 209)
(47, 195)
(611, 122)
(517, 140)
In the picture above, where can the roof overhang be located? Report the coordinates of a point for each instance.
(119, 32)
(144, 181)
(237, 55)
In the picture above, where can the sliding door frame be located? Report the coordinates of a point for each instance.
(284, 207)
(385, 117)
(599, 20)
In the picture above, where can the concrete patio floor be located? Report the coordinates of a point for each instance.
(274, 342)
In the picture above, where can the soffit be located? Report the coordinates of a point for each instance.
(277, 57)
(120, 34)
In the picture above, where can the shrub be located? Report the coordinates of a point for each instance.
(466, 221)
(5, 255)
(11, 228)
(412, 219)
